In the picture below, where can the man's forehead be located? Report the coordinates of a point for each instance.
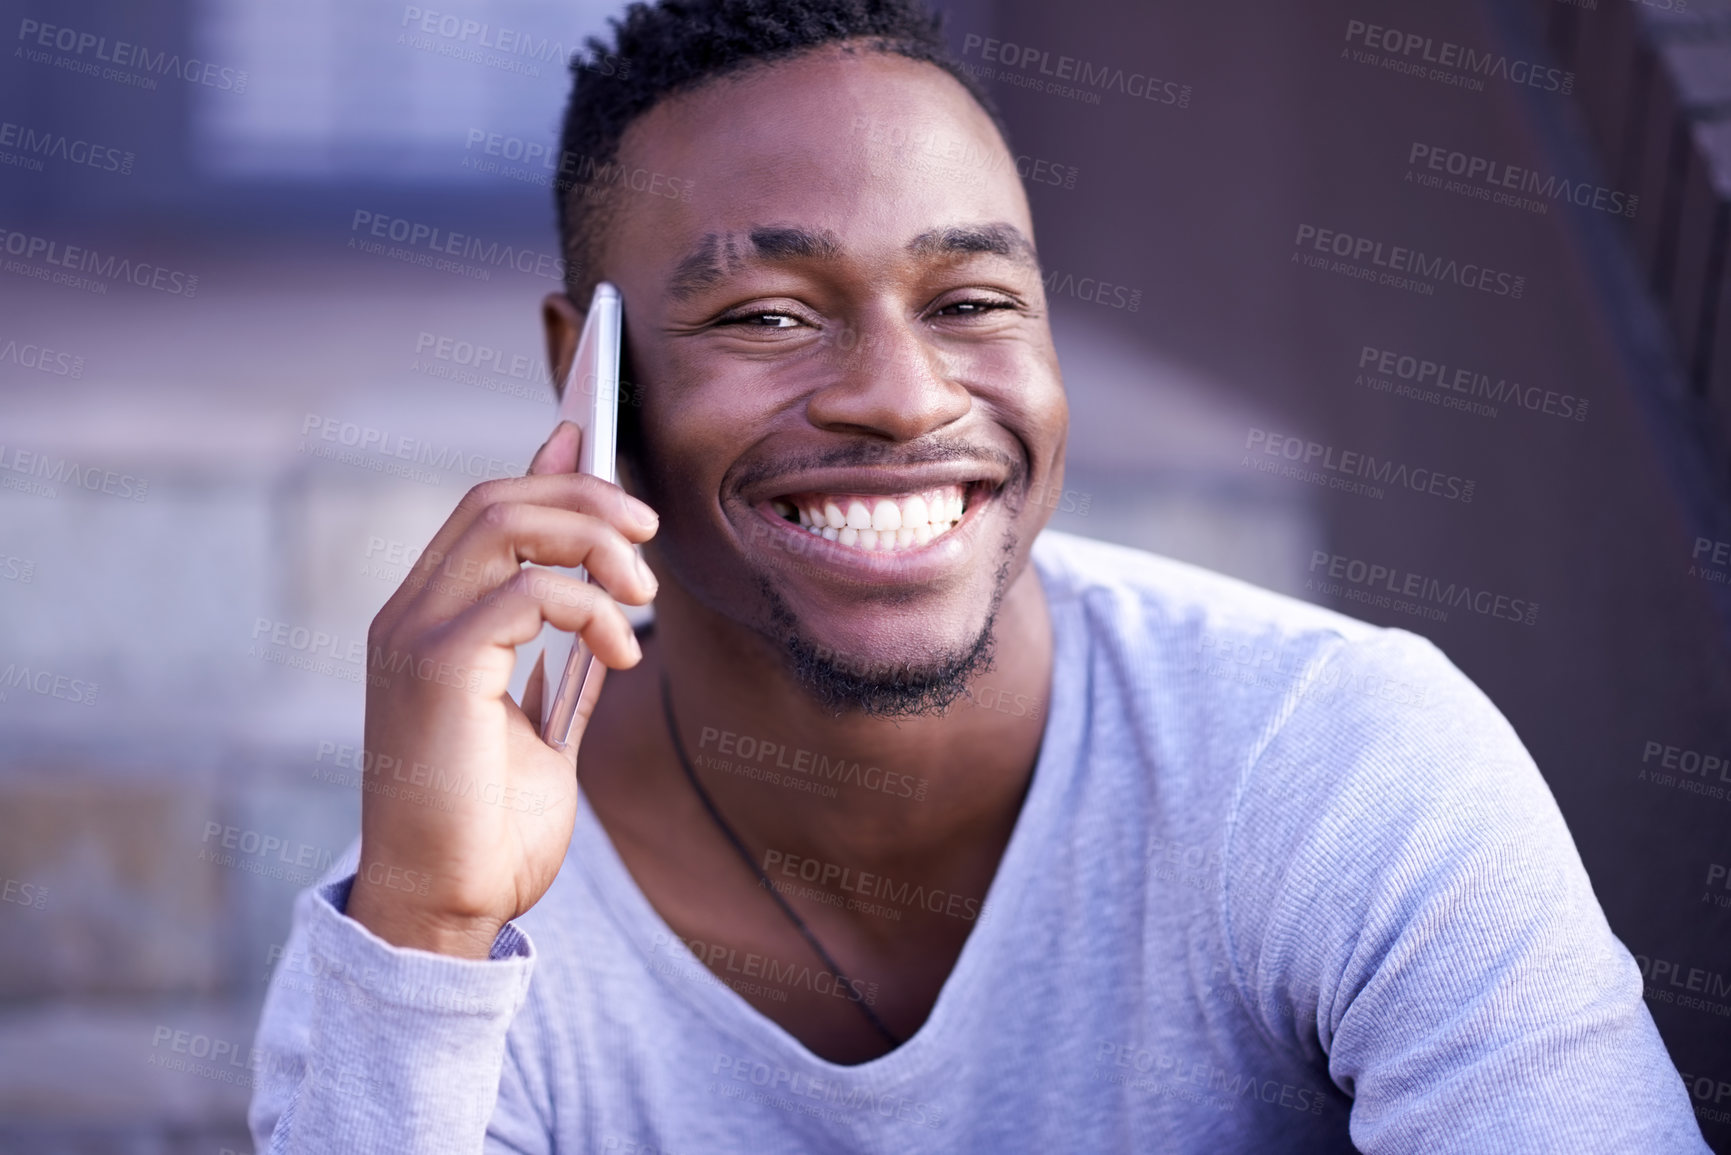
(719, 254)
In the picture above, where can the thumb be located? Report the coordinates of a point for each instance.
(559, 453)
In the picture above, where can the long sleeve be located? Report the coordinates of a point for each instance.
(365, 1047)
(1429, 927)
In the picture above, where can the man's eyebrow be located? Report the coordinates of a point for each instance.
(698, 269)
(1002, 240)
(703, 266)
(779, 243)
(716, 255)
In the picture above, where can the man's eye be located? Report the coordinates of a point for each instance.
(762, 320)
(973, 308)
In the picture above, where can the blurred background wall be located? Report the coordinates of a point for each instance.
(191, 297)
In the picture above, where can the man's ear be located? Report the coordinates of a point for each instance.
(563, 322)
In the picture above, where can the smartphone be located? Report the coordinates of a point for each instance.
(591, 400)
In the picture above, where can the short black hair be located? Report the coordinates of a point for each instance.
(678, 45)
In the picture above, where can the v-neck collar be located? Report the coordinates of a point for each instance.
(963, 994)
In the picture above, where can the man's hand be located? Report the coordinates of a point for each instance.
(470, 813)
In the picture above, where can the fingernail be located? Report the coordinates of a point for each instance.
(636, 647)
(643, 572)
(642, 514)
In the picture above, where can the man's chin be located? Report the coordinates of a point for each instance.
(844, 683)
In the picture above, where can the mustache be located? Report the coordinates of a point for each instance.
(877, 454)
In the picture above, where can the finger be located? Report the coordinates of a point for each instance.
(585, 710)
(559, 453)
(533, 690)
(508, 534)
(576, 492)
(579, 720)
(513, 614)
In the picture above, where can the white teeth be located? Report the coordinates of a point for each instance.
(878, 524)
(915, 511)
(782, 508)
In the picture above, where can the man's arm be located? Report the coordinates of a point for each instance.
(367, 1047)
(385, 1026)
(1405, 898)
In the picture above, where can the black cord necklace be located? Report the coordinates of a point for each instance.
(762, 878)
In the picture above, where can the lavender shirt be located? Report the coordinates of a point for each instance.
(1283, 881)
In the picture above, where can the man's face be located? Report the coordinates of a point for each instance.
(845, 321)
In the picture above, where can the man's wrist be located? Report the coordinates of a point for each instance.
(402, 924)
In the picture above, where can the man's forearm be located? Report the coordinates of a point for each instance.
(365, 1046)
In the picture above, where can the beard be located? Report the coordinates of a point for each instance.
(844, 684)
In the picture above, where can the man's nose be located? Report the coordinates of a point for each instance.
(888, 380)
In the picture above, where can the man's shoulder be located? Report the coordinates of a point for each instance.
(1203, 642)
(1128, 587)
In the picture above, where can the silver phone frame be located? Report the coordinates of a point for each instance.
(591, 400)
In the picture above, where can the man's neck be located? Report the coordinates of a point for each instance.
(916, 799)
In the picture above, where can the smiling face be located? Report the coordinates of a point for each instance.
(849, 382)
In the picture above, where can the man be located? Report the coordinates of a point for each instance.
(956, 837)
